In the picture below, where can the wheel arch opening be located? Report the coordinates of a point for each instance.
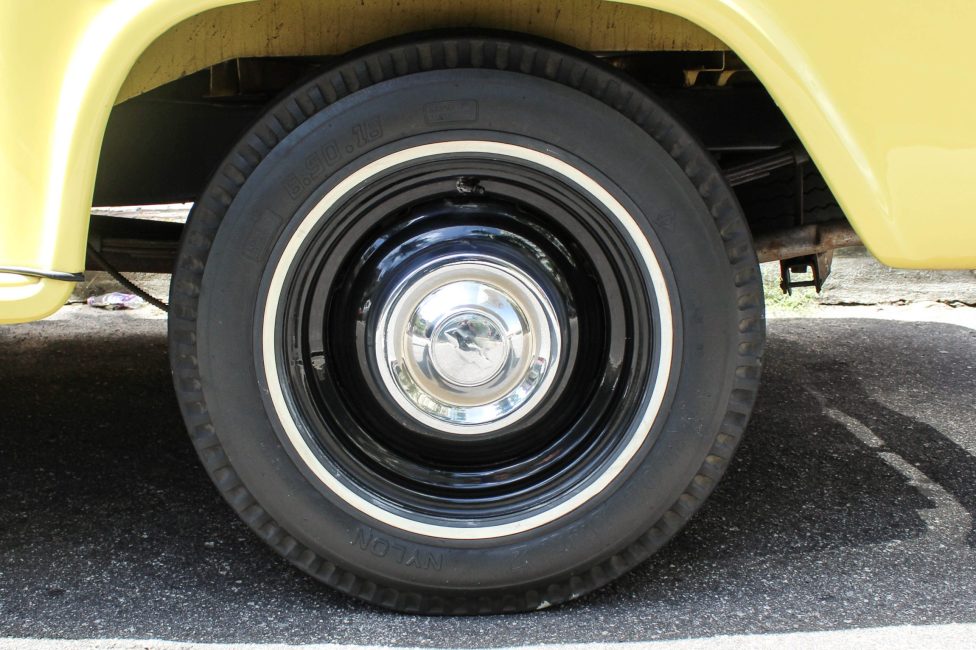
(199, 85)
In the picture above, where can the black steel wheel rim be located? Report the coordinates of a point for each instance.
(471, 207)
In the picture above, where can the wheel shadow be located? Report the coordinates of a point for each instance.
(112, 530)
(805, 489)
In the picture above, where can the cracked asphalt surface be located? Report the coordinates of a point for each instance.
(849, 505)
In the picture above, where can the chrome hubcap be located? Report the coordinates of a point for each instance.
(468, 344)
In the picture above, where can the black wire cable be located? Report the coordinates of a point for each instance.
(124, 281)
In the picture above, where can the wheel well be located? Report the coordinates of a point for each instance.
(185, 103)
(161, 146)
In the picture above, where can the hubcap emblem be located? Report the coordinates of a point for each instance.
(469, 349)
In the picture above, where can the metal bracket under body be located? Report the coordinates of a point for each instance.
(817, 263)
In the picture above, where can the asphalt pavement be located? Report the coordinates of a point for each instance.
(850, 505)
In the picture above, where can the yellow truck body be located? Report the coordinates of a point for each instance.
(876, 90)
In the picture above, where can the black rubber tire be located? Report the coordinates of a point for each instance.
(684, 206)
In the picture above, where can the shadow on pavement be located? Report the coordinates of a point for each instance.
(110, 528)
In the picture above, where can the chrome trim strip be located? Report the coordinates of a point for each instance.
(61, 276)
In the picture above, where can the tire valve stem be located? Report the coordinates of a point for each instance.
(469, 185)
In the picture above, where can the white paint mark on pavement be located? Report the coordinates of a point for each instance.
(947, 637)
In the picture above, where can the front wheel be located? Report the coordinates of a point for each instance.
(466, 325)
